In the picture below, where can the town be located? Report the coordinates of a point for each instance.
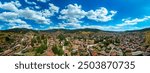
(81, 42)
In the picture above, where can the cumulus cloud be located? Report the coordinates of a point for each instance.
(69, 25)
(11, 6)
(101, 15)
(33, 15)
(53, 8)
(120, 27)
(12, 19)
(21, 26)
(51, 11)
(16, 3)
(5, 16)
(15, 15)
(72, 15)
(128, 22)
(31, 3)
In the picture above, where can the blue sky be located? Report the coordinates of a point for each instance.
(110, 15)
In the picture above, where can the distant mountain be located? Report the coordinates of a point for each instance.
(73, 30)
(67, 30)
(18, 30)
(140, 30)
(146, 29)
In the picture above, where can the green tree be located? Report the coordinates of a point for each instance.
(57, 50)
(66, 43)
(61, 37)
(33, 40)
(41, 49)
(1, 50)
(147, 38)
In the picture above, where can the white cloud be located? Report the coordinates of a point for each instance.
(44, 1)
(33, 15)
(55, 27)
(31, 3)
(37, 7)
(72, 12)
(18, 21)
(101, 15)
(72, 15)
(128, 22)
(16, 3)
(11, 6)
(40, 17)
(16, 25)
(126, 25)
(15, 16)
(70, 25)
(12, 19)
(53, 8)
(6, 16)
(101, 27)
(51, 11)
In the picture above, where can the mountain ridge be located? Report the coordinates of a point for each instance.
(70, 30)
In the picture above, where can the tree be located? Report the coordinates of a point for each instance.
(57, 50)
(33, 40)
(147, 38)
(41, 49)
(61, 52)
(66, 43)
(61, 37)
(1, 49)
(7, 39)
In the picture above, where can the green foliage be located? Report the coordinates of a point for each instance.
(45, 41)
(66, 43)
(33, 41)
(147, 38)
(61, 52)
(42, 36)
(7, 39)
(57, 50)
(41, 49)
(38, 39)
(96, 41)
(106, 43)
(117, 40)
(61, 37)
(1, 50)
